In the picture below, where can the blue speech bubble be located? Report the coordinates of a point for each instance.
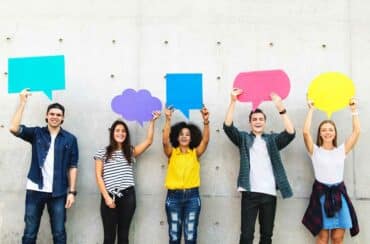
(46, 73)
(184, 92)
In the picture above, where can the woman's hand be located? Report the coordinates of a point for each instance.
(205, 114)
(168, 112)
(353, 104)
(156, 115)
(110, 202)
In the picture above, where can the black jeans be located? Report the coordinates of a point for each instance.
(117, 220)
(264, 205)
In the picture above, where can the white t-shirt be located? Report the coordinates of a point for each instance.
(47, 171)
(261, 175)
(328, 165)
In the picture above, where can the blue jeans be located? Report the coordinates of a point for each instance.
(183, 209)
(35, 203)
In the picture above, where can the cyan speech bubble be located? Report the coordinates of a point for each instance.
(136, 106)
(46, 73)
(184, 92)
(258, 85)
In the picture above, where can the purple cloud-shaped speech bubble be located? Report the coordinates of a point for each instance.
(136, 106)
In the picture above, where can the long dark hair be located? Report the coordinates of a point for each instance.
(113, 145)
(195, 134)
(319, 140)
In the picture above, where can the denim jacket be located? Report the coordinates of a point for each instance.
(274, 142)
(65, 155)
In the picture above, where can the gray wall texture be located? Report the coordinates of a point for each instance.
(113, 45)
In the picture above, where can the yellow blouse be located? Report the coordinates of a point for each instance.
(183, 170)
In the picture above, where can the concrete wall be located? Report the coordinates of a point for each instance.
(217, 38)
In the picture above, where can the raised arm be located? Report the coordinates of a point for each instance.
(352, 139)
(307, 128)
(140, 148)
(17, 117)
(288, 125)
(205, 135)
(167, 148)
(230, 111)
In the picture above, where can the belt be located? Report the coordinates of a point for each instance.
(183, 190)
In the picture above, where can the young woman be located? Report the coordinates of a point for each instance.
(330, 210)
(183, 144)
(115, 179)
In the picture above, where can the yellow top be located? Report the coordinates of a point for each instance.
(183, 170)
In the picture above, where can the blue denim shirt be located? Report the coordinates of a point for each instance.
(65, 155)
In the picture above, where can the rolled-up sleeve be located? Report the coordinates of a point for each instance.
(284, 138)
(74, 154)
(26, 133)
(232, 133)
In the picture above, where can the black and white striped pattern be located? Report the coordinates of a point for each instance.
(117, 173)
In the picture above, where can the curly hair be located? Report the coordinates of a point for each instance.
(126, 147)
(195, 134)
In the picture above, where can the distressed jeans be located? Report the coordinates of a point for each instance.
(263, 205)
(35, 203)
(183, 209)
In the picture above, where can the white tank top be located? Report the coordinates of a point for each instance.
(328, 165)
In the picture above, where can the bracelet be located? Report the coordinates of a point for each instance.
(283, 111)
(355, 113)
(206, 122)
(72, 192)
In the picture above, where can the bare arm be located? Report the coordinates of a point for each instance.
(307, 128)
(288, 125)
(167, 148)
(205, 138)
(17, 117)
(140, 148)
(101, 185)
(352, 139)
(230, 112)
(72, 179)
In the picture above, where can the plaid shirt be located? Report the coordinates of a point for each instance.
(313, 220)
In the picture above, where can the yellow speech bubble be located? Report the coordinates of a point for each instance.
(331, 92)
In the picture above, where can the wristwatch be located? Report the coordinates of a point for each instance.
(72, 192)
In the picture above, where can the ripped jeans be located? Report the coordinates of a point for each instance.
(183, 209)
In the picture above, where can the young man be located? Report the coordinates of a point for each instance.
(53, 171)
(261, 169)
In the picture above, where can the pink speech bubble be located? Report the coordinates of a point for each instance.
(258, 85)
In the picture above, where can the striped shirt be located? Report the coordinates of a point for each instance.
(117, 173)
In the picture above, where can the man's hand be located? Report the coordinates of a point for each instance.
(70, 200)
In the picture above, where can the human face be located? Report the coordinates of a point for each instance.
(327, 133)
(54, 117)
(119, 134)
(184, 137)
(257, 123)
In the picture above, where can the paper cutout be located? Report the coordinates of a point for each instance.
(136, 106)
(258, 85)
(331, 92)
(184, 92)
(46, 73)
